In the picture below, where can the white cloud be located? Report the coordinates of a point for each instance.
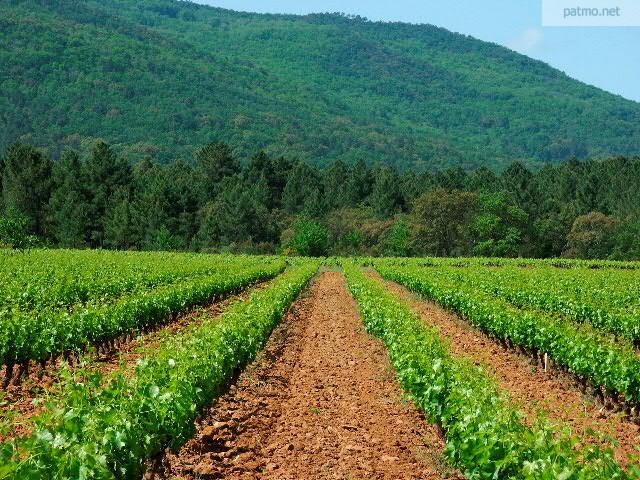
(529, 40)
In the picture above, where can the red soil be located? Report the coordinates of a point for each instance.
(320, 402)
(528, 386)
(20, 402)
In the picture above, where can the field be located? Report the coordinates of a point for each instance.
(127, 365)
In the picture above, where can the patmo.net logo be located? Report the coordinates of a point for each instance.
(590, 13)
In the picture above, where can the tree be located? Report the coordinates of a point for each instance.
(335, 185)
(415, 184)
(498, 227)
(303, 183)
(518, 180)
(345, 227)
(627, 242)
(589, 192)
(210, 229)
(550, 231)
(162, 240)
(386, 197)
(119, 229)
(397, 241)
(275, 171)
(14, 231)
(453, 178)
(315, 205)
(105, 174)
(68, 207)
(214, 162)
(154, 208)
(359, 183)
(440, 222)
(26, 184)
(234, 218)
(592, 236)
(310, 239)
(482, 180)
(182, 202)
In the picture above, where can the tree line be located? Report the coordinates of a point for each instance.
(271, 204)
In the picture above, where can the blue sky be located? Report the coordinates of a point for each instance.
(607, 57)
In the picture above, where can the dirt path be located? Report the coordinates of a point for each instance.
(529, 387)
(320, 402)
(19, 403)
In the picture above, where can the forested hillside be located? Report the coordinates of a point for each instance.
(163, 77)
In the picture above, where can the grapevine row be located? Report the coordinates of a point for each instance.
(40, 336)
(485, 437)
(105, 432)
(610, 305)
(49, 279)
(558, 263)
(592, 356)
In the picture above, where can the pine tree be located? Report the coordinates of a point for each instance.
(386, 197)
(275, 171)
(482, 180)
(454, 178)
(519, 181)
(68, 207)
(150, 207)
(26, 184)
(183, 202)
(105, 173)
(416, 184)
(214, 162)
(119, 229)
(335, 185)
(303, 183)
(359, 183)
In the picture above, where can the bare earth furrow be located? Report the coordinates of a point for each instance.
(320, 402)
(527, 385)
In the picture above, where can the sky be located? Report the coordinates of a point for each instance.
(607, 57)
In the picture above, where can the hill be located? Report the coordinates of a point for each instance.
(163, 77)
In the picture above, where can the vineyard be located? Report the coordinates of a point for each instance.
(132, 365)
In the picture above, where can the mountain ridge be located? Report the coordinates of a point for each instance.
(163, 77)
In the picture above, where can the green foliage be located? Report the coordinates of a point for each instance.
(484, 434)
(627, 242)
(38, 323)
(107, 431)
(69, 203)
(14, 231)
(162, 240)
(26, 183)
(586, 353)
(397, 240)
(96, 199)
(214, 163)
(498, 227)
(441, 221)
(592, 235)
(310, 239)
(386, 197)
(302, 190)
(160, 77)
(108, 178)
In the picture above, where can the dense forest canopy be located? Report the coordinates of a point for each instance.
(270, 204)
(163, 77)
